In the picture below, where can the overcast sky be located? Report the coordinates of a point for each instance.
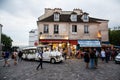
(18, 17)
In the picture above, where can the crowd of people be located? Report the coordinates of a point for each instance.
(91, 56)
(15, 55)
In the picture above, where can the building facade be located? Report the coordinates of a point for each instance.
(33, 37)
(59, 27)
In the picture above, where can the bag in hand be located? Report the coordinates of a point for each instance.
(12, 56)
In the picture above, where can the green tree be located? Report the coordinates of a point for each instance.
(7, 42)
(114, 37)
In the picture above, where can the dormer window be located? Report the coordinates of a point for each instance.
(85, 17)
(56, 16)
(73, 16)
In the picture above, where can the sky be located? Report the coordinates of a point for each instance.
(18, 17)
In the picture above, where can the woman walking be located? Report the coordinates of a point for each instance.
(86, 58)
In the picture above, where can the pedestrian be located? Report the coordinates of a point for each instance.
(96, 57)
(86, 58)
(15, 54)
(6, 57)
(107, 55)
(20, 55)
(103, 55)
(65, 53)
(40, 56)
(92, 58)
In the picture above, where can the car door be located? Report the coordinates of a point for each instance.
(46, 56)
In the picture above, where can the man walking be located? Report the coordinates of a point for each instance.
(40, 56)
(6, 57)
(20, 55)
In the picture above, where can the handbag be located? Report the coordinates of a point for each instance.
(12, 56)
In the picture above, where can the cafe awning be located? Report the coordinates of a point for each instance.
(89, 43)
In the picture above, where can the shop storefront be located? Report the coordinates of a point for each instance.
(55, 43)
(61, 44)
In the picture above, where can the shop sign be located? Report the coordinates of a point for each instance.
(89, 43)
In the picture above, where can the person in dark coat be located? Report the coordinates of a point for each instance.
(92, 58)
(20, 55)
(86, 58)
(40, 56)
(6, 57)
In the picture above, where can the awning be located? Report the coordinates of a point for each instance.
(73, 42)
(89, 43)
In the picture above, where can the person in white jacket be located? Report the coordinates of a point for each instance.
(103, 55)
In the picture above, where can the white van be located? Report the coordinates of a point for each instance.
(31, 53)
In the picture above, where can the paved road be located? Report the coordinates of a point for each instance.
(71, 69)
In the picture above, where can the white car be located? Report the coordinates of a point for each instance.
(51, 56)
(30, 53)
(117, 58)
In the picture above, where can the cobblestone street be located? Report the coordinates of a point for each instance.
(71, 69)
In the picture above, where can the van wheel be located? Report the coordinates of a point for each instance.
(52, 61)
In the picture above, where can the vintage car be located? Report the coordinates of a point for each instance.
(31, 53)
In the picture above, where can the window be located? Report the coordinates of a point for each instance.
(56, 29)
(46, 28)
(85, 17)
(86, 29)
(56, 16)
(73, 17)
(74, 28)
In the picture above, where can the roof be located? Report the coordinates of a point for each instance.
(73, 13)
(66, 18)
(98, 19)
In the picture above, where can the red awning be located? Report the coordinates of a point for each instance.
(73, 42)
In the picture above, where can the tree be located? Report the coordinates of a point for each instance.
(6, 41)
(114, 37)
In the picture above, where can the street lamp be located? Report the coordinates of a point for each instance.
(99, 36)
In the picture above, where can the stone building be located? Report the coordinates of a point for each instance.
(57, 27)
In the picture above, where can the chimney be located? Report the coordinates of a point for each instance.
(78, 11)
(47, 10)
(58, 10)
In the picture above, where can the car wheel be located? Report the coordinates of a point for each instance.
(52, 61)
